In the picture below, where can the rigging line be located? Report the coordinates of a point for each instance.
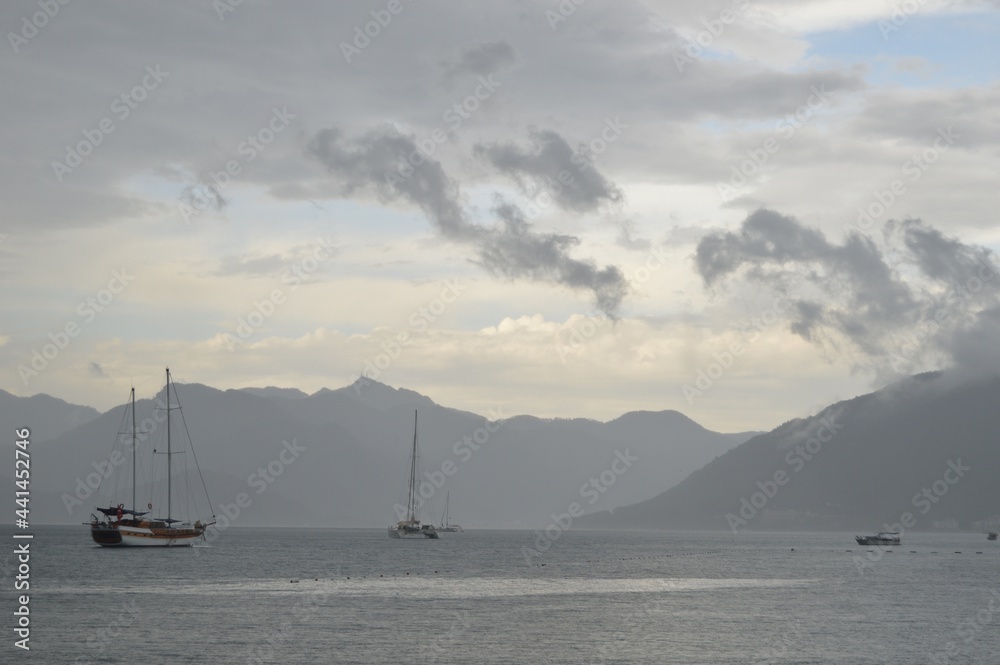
(115, 446)
(194, 453)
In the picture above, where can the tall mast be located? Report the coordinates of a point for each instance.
(411, 507)
(133, 451)
(168, 446)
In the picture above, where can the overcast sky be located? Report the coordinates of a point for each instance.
(739, 210)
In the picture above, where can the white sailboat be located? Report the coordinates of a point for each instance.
(446, 526)
(411, 526)
(128, 527)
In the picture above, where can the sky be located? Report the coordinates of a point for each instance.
(740, 210)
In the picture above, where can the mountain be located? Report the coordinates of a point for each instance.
(924, 450)
(46, 417)
(271, 391)
(355, 443)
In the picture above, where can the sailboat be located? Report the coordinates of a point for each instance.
(411, 526)
(123, 526)
(445, 526)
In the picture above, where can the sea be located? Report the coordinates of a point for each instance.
(285, 595)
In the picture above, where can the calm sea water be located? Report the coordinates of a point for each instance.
(472, 597)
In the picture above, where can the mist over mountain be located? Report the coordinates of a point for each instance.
(351, 457)
(923, 450)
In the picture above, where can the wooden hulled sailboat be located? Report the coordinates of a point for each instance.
(126, 526)
(411, 526)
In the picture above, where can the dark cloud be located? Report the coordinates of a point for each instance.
(374, 162)
(514, 250)
(913, 298)
(382, 160)
(551, 164)
(482, 60)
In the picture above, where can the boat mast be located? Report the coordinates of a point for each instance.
(168, 447)
(133, 450)
(411, 507)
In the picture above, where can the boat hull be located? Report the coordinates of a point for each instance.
(408, 534)
(138, 537)
(145, 537)
(106, 536)
(874, 540)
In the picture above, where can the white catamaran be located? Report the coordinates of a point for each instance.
(411, 526)
(126, 526)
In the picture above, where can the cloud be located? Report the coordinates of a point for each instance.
(272, 264)
(511, 248)
(481, 60)
(514, 250)
(551, 163)
(911, 300)
(204, 196)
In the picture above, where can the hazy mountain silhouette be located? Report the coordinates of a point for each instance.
(47, 417)
(504, 471)
(881, 451)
